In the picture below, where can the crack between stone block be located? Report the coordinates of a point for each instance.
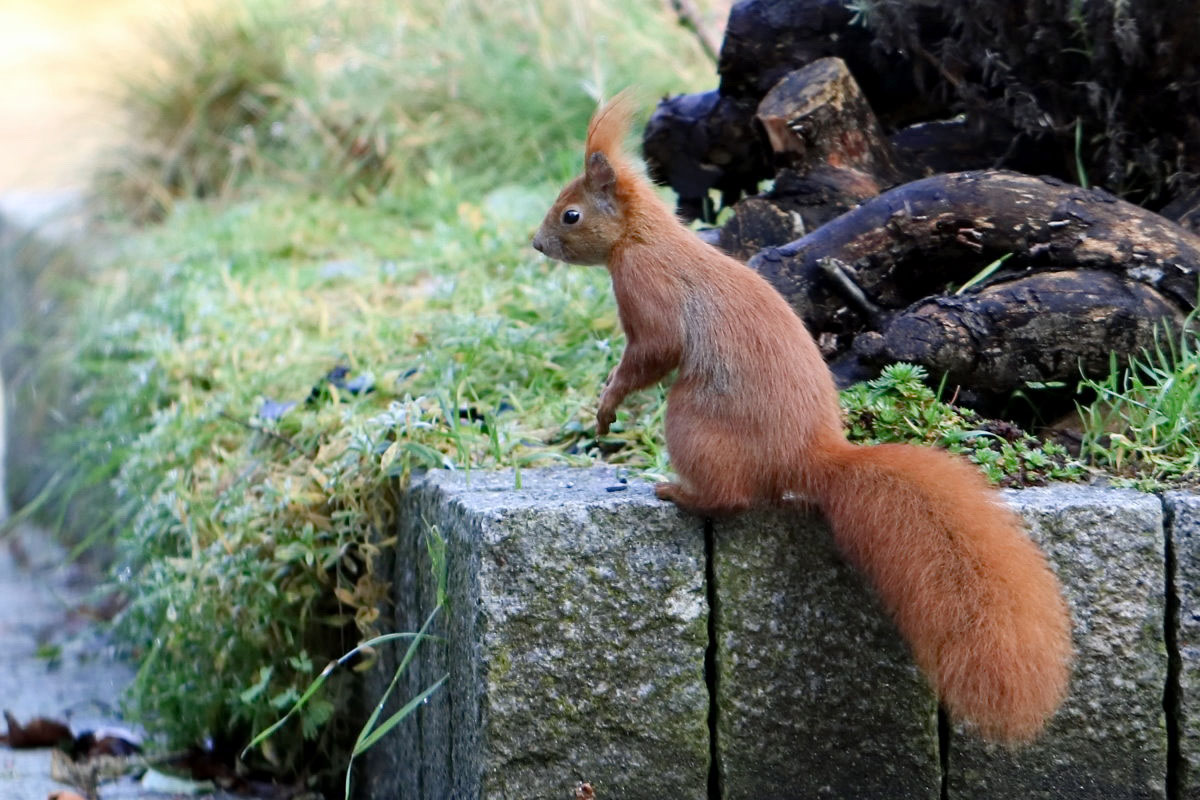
(944, 732)
(1171, 692)
(710, 661)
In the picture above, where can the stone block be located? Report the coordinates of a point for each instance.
(578, 618)
(576, 631)
(1109, 739)
(817, 694)
(1183, 524)
(412, 760)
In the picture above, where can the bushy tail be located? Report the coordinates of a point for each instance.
(968, 589)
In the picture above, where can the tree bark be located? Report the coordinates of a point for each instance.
(1048, 327)
(818, 116)
(698, 142)
(916, 239)
(796, 205)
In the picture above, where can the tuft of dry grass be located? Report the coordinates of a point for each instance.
(367, 99)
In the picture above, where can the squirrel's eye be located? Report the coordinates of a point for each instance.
(570, 216)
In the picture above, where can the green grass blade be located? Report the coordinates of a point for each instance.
(404, 662)
(1080, 170)
(396, 718)
(984, 273)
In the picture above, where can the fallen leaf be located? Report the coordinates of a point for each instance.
(106, 742)
(38, 732)
(65, 795)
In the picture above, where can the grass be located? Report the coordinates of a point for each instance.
(368, 98)
(1143, 425)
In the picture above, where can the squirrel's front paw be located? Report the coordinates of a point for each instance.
(605, 417)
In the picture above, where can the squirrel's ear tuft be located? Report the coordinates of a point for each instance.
(609, 125)
(600, 177)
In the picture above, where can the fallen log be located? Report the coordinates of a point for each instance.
(917, 239)
(1049, 327)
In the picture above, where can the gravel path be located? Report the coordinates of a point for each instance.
(80, 685)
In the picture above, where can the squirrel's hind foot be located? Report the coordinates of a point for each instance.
(689, 500)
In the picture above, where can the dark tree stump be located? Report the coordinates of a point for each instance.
(817, 116)
(697, 142)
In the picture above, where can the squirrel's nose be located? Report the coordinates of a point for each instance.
(537, 245)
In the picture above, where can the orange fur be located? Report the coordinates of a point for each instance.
(609, 125)
(753, 419)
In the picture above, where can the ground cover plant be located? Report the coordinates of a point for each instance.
(899, 406)
(1143, 425)
(340, 291)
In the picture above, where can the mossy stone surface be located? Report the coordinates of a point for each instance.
(817, 693)
(576, 631)
(1183, 515)
(1109, 738)
(578, 618)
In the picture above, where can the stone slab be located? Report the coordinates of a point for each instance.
(576, 631)
(1183, 518)
(579, 616)
(817, 694)
(1109, 739)
(397, 766)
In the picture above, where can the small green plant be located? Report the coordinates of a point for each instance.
(1144, 424)
(899, 407)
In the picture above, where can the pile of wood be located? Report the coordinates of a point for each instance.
(905, 220)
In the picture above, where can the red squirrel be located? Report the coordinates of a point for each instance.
(753, 419)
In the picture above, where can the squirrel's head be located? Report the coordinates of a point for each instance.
(589, 216)
(586, 220)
